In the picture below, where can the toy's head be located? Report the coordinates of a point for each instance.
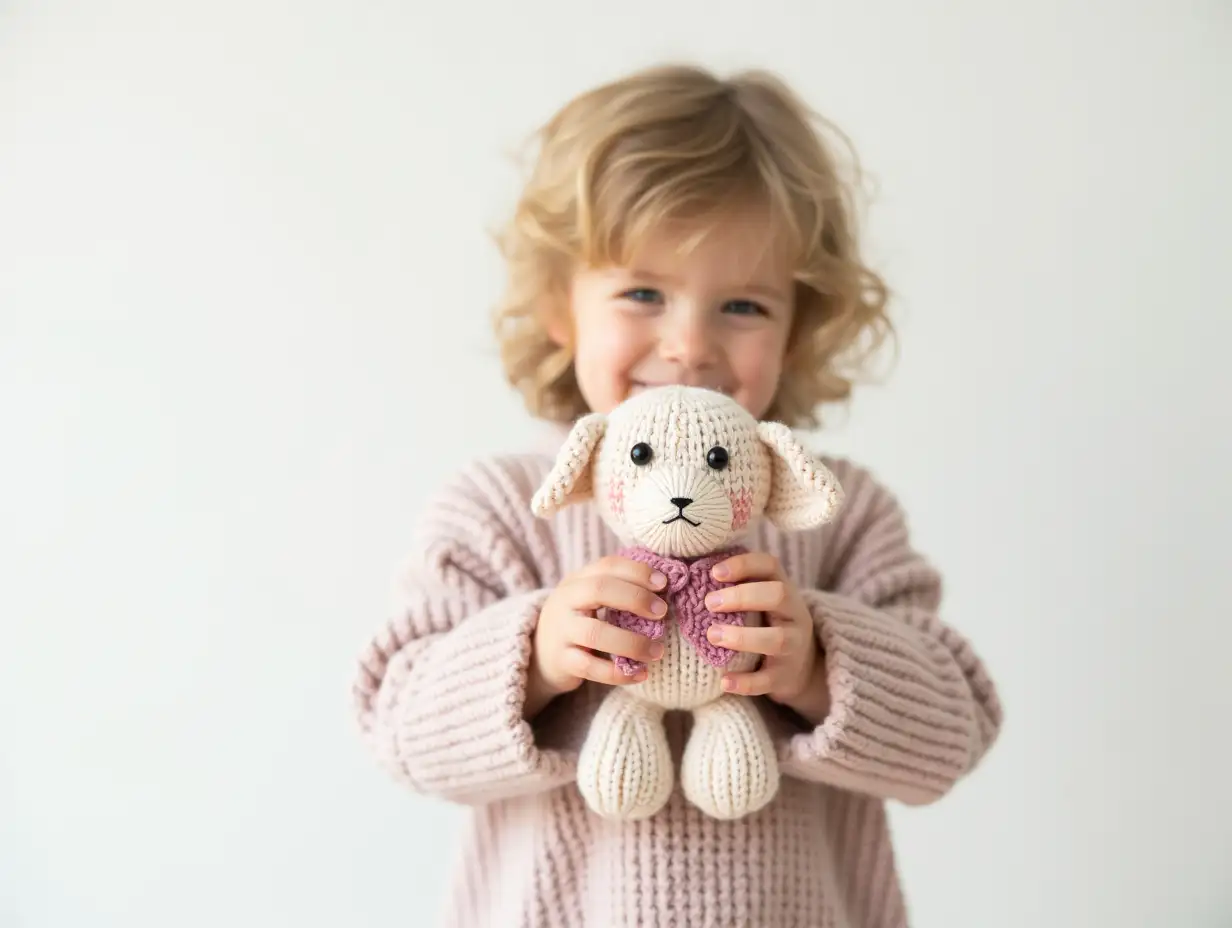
(684, 471)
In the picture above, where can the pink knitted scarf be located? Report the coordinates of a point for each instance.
(688, 582)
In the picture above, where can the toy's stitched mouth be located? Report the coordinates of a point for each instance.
(680, 515)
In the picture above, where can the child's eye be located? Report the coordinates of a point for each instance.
(744, 308)
(643, 295)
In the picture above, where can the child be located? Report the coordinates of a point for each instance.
(677, 228)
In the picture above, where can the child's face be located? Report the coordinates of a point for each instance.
(716, 315)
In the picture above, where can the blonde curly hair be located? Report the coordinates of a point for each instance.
(675, 142)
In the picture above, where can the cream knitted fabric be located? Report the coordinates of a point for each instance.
(625, 766)
(729, 768)
(440, 689)
(683, 471)
(679, 429)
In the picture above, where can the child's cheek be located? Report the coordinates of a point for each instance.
(742, 507)
(616, 497)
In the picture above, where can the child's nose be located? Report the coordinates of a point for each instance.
(688, 341)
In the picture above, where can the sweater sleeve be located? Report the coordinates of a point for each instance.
(440, 690)
(912, 708)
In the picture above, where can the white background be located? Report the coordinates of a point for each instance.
(244, 283)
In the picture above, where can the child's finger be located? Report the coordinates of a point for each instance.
(581, 663)
(593, 591)
(768, 640)
(758, 596)
(753, 683)
(627, 569)
(753, 565)
(597, 635)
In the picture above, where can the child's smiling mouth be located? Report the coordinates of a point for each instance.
(637, 386)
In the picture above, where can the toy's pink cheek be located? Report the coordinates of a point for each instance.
(742, 507)
(616, 497)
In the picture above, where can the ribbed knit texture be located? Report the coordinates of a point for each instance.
(440, 691)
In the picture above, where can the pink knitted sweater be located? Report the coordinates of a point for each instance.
(440, 691)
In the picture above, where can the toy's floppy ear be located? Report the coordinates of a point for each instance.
(803, 491)
(571, 478)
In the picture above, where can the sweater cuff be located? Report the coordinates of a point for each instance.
(453, 705)
(901, 723)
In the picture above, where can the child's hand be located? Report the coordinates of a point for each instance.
(568, 630)
(789, 645)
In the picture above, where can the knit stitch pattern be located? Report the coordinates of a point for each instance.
(440, 687)
(697, 466)
(688, 583)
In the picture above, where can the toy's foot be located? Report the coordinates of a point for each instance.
(625, 766)
(729, 768)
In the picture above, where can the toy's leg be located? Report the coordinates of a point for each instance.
(625, 766)
(729, 768)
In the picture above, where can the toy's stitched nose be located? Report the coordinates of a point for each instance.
(680, 501)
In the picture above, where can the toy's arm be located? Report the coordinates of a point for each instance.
(440, 691)
(911, 707)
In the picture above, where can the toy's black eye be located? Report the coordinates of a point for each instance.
(716, 457)
(641, 453)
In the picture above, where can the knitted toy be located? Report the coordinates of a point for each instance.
(681, 474)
